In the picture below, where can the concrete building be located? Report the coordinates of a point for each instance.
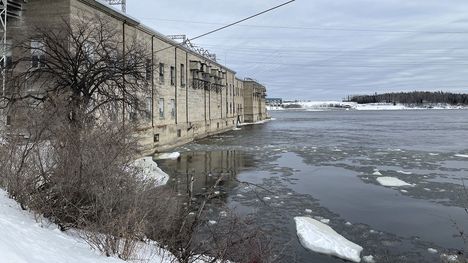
(192, 95)
(254, 101)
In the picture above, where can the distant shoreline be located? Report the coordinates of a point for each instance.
(336, 105)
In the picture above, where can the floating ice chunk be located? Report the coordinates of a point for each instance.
(377, 173)
(237, 129)
(433, 154)
(432, 250)
(427, 189)
(372, 231)
(212, 222)
(403, 191)
(308, 211)
(223, 213)
(348, 224)
(321, 238)
(171, 156)
(392, 182)
(450, 258)
(290, 193)
(266, 198)
(368, 259)
(216, 192)
(325, 221)
(403, 172)
(240, 195)
(461, 155)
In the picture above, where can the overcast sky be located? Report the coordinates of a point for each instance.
(327, 49)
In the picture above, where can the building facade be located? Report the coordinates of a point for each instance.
(254, 101)
(192, 96)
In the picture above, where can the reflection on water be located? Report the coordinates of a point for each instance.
(197, 171)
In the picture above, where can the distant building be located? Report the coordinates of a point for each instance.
(254, 101)
(274, 102)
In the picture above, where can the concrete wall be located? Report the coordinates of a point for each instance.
(190, 109)
(254, 101)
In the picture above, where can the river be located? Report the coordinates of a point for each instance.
(325, 165)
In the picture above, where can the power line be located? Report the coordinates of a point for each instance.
(318, 28)
(230, 25)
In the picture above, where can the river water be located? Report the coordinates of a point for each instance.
(327, 163)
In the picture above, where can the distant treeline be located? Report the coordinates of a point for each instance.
(415, 97)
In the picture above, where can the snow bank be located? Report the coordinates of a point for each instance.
(330, 105)
(323, 239)
(171, 156)
(23, 240)
(150, 170)
(392, 182)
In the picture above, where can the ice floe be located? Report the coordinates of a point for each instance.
(404, 172)
(392, 182)
(321, 238)
(377, 173)
(461, 155)
(171, 156)
(368, 259)
(432, 250)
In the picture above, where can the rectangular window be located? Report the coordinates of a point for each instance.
(37, 54)
(156, 137)
(173, 108)
(179, 133)
(89, 51)
(182, 75)
(173, 76)
(161, 108)
(161, 73)
(8, 120)
(149, 107)
(149, 70)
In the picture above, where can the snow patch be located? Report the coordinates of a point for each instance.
(392, 182)
(321, 238)
(170, 156)
(150, 170)
(23, 240)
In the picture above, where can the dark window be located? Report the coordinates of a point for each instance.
(149, 70)
(182, 75)
(179, 133)
(173, 76)
(161, 72)
(156, 137)
(217, 125)
(8, 120)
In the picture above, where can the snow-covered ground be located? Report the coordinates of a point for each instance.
(321, 238)
(23, 240)
(330, 105)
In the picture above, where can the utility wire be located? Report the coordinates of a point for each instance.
(318, 28)
(224, 27)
